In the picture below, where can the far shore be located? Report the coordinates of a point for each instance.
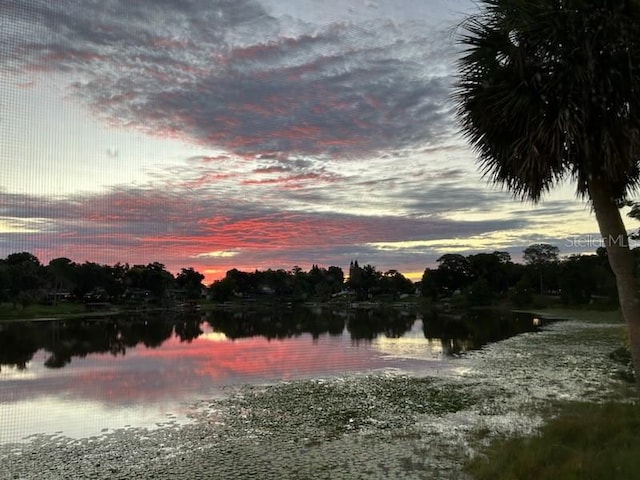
(65, 311)
(69, 311)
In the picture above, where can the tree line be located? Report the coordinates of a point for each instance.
(25, 280)
(477, 279)
(319, 283)
(487, 278)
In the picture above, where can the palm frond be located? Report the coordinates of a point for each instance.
(550, 89)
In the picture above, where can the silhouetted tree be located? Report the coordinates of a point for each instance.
(551, 89)
(5, 282)
(364, 281)
(493, 268)
(582, 277)
(152, 277)
(92, 280)
(395, 284)
(430, 284)
(62, 273)
(479, 293)
(522, 294)
(191, 281)
(26, 275)
(454, 272)
(222, 290)
(541, 256)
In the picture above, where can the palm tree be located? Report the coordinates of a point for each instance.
(550, 90)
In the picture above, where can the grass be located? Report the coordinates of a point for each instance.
(7, 312)
(584, 441)
(586, 315)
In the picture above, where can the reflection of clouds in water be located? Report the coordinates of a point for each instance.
(76, 418)
(138, 388)
(13, 373)
(415, 348)
(411, 345)
(214, 337)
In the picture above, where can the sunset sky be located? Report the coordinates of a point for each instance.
(249, 133)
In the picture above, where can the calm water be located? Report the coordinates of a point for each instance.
(83, 377)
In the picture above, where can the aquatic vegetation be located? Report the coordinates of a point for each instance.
(325, 409)
(381, 425)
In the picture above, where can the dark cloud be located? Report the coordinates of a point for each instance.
(451, 198)
(226, 74)
(142, 225)
(555, 209)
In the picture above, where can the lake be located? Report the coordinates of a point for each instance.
(86, 376)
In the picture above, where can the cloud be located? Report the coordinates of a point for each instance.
(226, 74)
(309, 140)
(217, 254)
(174, 227)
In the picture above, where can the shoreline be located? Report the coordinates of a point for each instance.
(366, 426)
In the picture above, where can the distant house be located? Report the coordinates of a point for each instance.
(178, 295)
(267, 290)
(137, 295)
(58, 296)
(98, 294)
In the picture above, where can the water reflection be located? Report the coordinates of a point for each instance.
(473, 329)
(128, 369)
(277, 323)
(65, 339)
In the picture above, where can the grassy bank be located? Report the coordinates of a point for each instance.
(584, 441)
(8, 312)
(578, 441)
(583, 315)
(78, 310)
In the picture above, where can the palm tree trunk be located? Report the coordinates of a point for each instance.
(622, 263)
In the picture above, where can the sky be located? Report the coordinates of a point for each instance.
(250, 134)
